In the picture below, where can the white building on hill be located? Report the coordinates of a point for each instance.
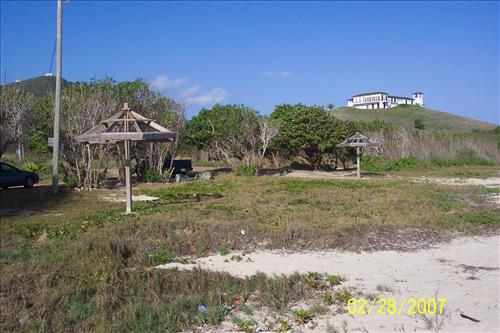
(382, 100)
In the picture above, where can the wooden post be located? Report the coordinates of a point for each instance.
(358, 162)
(128, 181)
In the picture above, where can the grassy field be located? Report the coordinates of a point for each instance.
(73, 262)
(405, 115)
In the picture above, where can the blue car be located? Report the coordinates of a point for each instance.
(12, 176)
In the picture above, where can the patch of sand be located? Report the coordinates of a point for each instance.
(120, 197)
(321, 174)
(493, 181)
(465, 271)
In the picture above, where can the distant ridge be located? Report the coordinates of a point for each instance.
(38, 86)
(405, 115)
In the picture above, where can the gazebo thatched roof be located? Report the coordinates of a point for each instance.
(126, 125)
(357, 140)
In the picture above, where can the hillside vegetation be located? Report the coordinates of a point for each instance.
(405, 116)
(38, 86)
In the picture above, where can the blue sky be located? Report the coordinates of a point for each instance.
(265, 53)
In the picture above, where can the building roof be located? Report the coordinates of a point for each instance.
(358, 140)
(418, 92)
(401, 97)
(126, 125)
(370, 93)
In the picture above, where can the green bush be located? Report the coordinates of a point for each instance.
(161, 257)
(378, 164)
(36, 167)
(246, 170)
(152, 177)
(419, 124)
(224, 251)
(70, 179)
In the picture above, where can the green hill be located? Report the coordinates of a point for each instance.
(38, 86)
(405, 115)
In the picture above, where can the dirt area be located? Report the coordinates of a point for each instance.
(493, 181)
(351, 174)
(348, 174)
(464, 271)
(120, 197)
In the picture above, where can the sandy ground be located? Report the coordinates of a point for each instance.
(465, 271)
(322, 174)
(493, 181)
(351, 174)
(120, 197)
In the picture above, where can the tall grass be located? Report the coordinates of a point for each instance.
(434, 146)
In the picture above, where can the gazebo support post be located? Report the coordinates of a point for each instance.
(358, 153)
(128, 181)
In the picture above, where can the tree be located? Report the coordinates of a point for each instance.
(39, 128)
(268, 129)
(86, 104)
(308, 131)
(235, 133)
(15, 105)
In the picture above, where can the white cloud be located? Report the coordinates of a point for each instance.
(163, 82)
(284, 75)
(194, 95)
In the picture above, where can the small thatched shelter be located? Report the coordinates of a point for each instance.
(126, 125)
(357, 141)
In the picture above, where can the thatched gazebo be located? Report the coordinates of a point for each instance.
(126, 125)
(357, 141)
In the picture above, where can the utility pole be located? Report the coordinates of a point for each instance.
(57, 110)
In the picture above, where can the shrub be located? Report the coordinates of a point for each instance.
(284, 325)
(309, 131)
(152, 177)
(70, 179)
(37, 167)
(161, 257)
(224, 250)
(379, 164)
(301, 316)
(419, 124)
(334, 280)
(328, 298)
(343, 295)
(246, 170)
(245, 325)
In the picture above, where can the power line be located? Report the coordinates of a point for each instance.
(52, 58)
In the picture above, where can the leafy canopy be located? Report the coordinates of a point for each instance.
(309, 131)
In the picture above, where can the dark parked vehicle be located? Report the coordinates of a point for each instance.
(180, 166)
(12, 176)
